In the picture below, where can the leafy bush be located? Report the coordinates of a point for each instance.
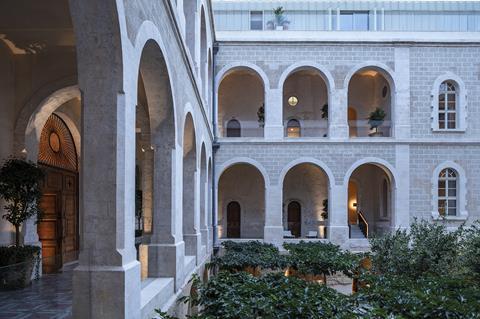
(319, 258)
(427, 249)
(470, 250)
(241, 295)
(239, 256)
(436, 297)
(14, 255)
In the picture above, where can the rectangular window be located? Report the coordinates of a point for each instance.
(354, 21)
(256, 20)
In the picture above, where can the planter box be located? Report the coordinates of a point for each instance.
(17, 276)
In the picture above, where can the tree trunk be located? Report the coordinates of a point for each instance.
(17, 235)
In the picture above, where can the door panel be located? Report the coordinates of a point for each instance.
(233, 220)
(295, 219)
(48, 232)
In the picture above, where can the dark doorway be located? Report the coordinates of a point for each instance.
(295, 218)
(233, 220)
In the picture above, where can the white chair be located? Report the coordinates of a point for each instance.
(287, 234)
(312, 234)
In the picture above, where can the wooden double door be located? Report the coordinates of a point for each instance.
(58, 226)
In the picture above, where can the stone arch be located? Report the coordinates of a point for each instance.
(191, 233)
(203, 54)
(368, 199)
(243, 160)
(323, 71)
(190, 14)
(232, 102)
(244, 183)
(241, 65)
(362, 79)
(35, 114)
(203, 195)
(309, 160)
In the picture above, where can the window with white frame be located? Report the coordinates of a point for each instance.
(353, 21)
(447, 192)
(447, 106)
(256, 20)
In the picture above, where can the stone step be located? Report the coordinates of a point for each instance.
(155, 292)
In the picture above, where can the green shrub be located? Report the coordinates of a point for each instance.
(14, 255)
(317, 258)
(239, 256)
(241, 296)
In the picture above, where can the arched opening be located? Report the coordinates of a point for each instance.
(447, 105)
(155, 143)
(203, 54)
(244, 185)
(58, 227)
(233, 128)
(190, 11)
(233, 220)
(369, 201)
(294, 218)
(370, 103)
(448, 192)
(293, 128)
(305, 97)
(203, 198)
(241, 96)
(190, 231)
(305, 201)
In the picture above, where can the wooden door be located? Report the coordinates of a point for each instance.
(294, 218)
(233, 220)
(58, 225)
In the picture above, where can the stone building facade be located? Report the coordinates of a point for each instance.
(185, 127)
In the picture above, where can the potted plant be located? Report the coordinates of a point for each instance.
(325, 114)
(324, 213)
(375, 119)
(261, 115)
(280, 22)
(20, 188)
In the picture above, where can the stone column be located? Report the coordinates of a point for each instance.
(337, 215)
(338, 114)
(204, 212)
(166, 250)
(273, 232)
(401, 103)
(401, 193)
(273, 114)
(106, 283)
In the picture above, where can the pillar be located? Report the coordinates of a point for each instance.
(338, 114)
(273, 232)
(273, 114)
(338, 232)
(401, 103)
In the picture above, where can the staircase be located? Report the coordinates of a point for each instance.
(356, 232)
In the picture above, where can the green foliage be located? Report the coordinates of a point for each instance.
(325, 209)
(317, 258)
(435, 297)
(470, 250)
(14, 255)
(239, 256)
(280, 19)
(261, 115)
(375, 119)
(325, 112)
(20, 188)
(427, 249)
(240, 296)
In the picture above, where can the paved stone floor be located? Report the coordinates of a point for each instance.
(48, 297)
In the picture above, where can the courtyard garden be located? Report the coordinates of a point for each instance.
(428, 272)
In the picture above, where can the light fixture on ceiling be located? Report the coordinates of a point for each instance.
(293, 101)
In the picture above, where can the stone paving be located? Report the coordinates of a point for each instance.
(49, 297)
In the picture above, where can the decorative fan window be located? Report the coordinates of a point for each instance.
(57, 148)
(447, 192)
(447, 106)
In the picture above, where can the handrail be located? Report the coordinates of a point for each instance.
(363, 224)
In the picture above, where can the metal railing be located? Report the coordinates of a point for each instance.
(363, 224)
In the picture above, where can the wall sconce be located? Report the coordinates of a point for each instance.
(293, 100)
(354, 204)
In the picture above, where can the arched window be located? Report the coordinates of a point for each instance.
(447, 192)
(447, 106)
(234, 129)
(293, 128)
